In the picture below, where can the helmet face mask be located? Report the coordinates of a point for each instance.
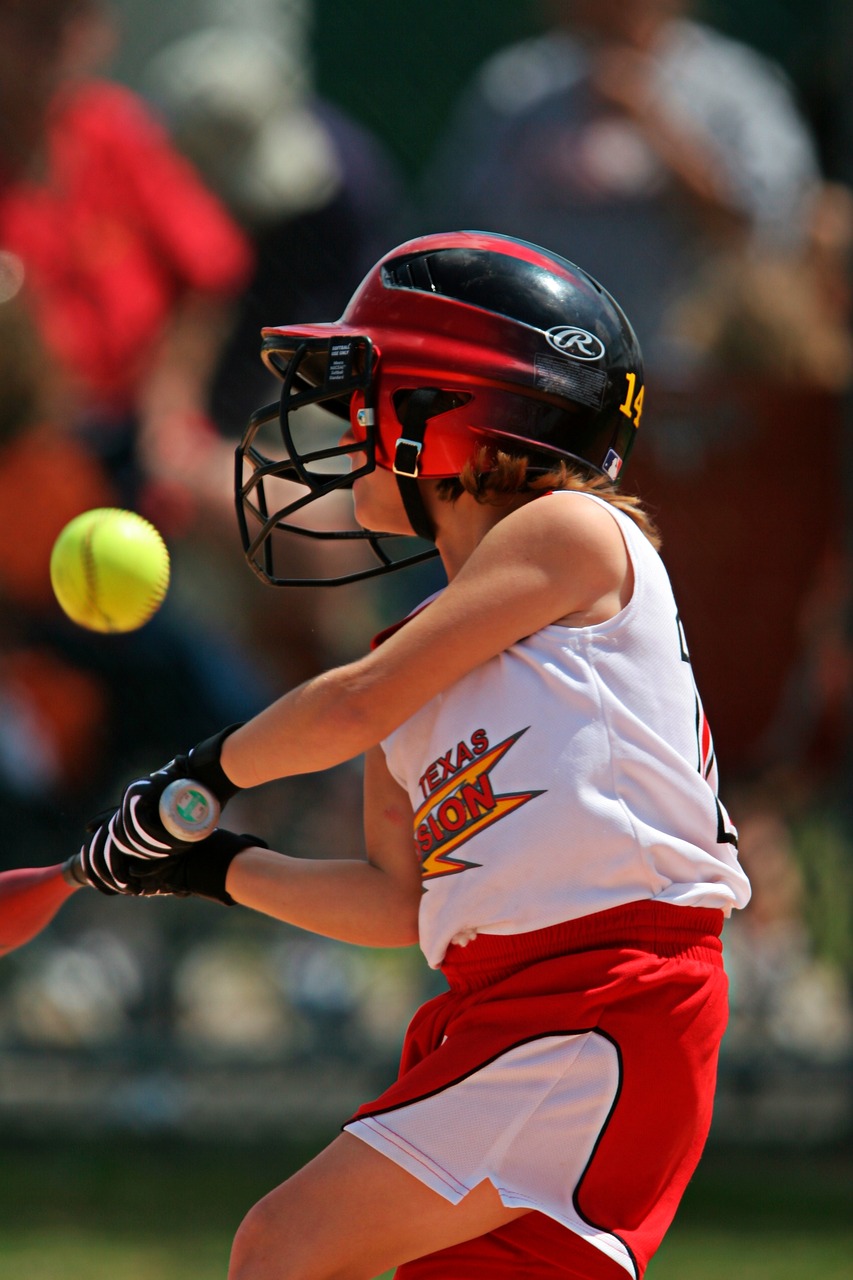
(292, 455)
(455, 346)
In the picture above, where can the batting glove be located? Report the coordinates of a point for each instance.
(136, 828)
(199, 873)
(104, 864)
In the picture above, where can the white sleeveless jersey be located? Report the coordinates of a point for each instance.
(572, 773)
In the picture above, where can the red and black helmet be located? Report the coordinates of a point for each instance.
(454, 343)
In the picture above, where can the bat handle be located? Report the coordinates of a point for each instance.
(72, 872)
(188, 810)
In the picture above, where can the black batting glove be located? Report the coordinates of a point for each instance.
(104, 864)
(135, 828)
(200, 872)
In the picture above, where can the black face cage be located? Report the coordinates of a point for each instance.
(346, 365)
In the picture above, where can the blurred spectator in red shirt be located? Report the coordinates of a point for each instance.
(131, 263)
(119, 272)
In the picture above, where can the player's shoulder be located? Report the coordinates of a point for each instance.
(560, 516)
(563, 541)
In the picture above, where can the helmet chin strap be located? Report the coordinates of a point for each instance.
(421, 405)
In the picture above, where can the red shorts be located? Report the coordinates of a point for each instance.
(626, 1010)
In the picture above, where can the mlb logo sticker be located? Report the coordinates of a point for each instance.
(612, 464)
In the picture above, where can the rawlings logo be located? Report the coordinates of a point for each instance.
(576, 343)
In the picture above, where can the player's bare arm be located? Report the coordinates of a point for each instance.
(544, 562)
(373, 902)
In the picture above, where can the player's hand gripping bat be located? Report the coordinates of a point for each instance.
(30, 898)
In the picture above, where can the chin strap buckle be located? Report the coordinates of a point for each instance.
(407, 455)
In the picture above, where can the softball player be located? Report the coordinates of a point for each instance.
(541, 808)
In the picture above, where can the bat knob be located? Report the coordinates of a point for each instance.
(188, 810)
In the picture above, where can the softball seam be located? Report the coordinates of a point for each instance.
(90, 572)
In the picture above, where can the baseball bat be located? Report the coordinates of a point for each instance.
(31, 897)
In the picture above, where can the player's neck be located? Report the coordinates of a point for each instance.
(461, 526)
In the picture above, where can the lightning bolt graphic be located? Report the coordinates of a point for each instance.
(460, 808)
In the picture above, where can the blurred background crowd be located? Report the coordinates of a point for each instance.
(174, 177)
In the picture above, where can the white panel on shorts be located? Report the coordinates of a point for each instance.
(528, 1121)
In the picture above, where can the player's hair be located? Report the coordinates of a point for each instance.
(492, 478)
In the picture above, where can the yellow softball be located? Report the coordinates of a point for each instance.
(109, 570)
